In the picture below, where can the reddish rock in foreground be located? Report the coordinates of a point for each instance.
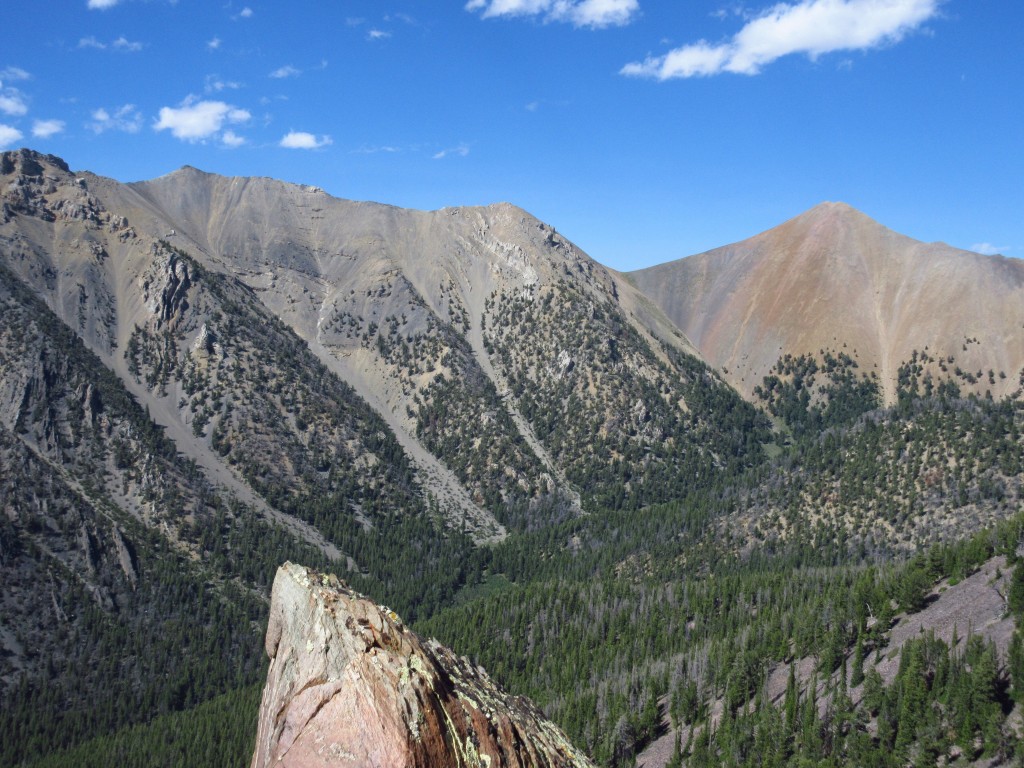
(350, 685)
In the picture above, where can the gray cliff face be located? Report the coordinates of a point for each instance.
(350, 683)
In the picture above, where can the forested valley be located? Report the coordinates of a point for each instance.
(682, 617)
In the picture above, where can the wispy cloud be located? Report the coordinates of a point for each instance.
(214, 84)
(199, 120)
(988, 249)
(286, 71)
(460, 151)
(303, 140)
(120, 44)
(13, 74)
(245, 13)
(377, 34)
(44, 129)
(364, 150)
(101, 5)
(125, 118)
(8, 135)
(124, 44)
(580, 13)
(811, 27)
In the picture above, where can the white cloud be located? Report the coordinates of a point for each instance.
(195, 121)
(580, 13)
(811, 27)
(125, 118)
(44, 129)
(232, 139)
(123, 44)
(303, 140)
(12, 102)
(14, 73)
(690, 60)
(377, 34)
(286, 71)
(214, 44)
(988, 249)
(246, 13)
(603, 13)
(462, 150)
(101, 5)
(91, 42)
(8, 135)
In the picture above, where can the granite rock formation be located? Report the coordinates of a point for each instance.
(350, 684)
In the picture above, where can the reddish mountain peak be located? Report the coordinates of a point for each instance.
(834, 278)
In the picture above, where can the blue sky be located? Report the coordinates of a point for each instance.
(644, 130)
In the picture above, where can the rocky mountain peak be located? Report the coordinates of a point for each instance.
(190, 170)
(834, 216)
(834, 278)
(348, 681)
(28, 162)
(829, 227)
(831, 208)
(43, 186)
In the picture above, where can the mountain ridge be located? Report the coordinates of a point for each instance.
(477, 423)
(296, 247)
(834, 278)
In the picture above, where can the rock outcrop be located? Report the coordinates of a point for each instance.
(350, 684)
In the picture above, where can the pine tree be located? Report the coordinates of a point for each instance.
(1016, 667)
(857, 667)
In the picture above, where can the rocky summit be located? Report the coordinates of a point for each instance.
(349, 682)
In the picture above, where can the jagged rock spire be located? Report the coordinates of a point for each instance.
(349, 683)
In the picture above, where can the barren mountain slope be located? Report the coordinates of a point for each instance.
(405, 306)
(833, 278)
(501, 357)
(231, 385)
(68, 236)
